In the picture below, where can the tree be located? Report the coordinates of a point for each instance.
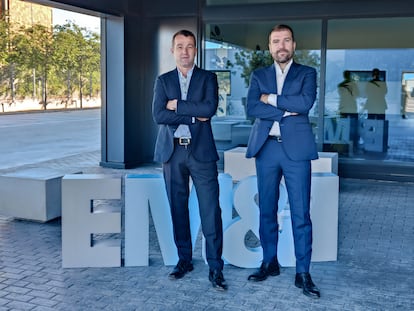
(62, 62)
(77, 58)
(35, 46)
(88, 61)
(65, 59)
(7, 59)
(4, 39)
(250, 60)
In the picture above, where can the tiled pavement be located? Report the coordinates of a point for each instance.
(374, 270)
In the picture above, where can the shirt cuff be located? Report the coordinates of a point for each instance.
(272, 100)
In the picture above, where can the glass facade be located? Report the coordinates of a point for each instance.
(358, 114)
(233, 51)
(368, 117)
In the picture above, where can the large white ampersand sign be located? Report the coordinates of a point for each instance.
(236, 252)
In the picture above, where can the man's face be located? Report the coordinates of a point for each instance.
(184, 51)
(281, 46)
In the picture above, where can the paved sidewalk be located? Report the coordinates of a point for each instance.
(374, 271)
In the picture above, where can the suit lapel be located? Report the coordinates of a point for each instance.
(193, 82)
(271, 77)
(174, 85)
(291, 77)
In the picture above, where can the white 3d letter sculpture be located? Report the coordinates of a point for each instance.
(144, 192)
(80, 221)
(147, 192)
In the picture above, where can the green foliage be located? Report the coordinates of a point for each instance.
(3, 39)
(309, 58)
(250, 60)
(77, 53)
(43, 63)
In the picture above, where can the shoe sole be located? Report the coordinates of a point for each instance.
(216, 287)
(173, 277)
(253, 279)
(276, 273)
(220, 289)
(306, 293)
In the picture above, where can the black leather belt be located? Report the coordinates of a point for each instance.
(183, 141)
(277, 138)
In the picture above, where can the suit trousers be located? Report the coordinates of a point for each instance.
(177, 171)
(271, 164)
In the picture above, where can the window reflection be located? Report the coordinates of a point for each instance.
(226, 51)
(380, 80)
(407, 94)
(240, 49)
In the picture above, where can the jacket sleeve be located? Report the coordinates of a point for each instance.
(160, 113)
(255, 107)
(202, 99)
(301, 94)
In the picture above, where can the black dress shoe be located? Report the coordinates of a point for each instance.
(217, 279)
(266, 269)
(304, 281)
(181, 269)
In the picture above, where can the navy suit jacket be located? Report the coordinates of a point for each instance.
(202, 101)
(298, 95)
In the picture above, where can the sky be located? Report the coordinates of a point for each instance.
(60, 17)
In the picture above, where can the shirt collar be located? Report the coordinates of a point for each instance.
(279, 70)
(189, 73)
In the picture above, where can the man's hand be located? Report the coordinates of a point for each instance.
(264, 98)
(172, 105)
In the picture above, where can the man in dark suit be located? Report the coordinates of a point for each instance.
(280, 97)
(184, 101)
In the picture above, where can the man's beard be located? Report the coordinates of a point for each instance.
(283, 60)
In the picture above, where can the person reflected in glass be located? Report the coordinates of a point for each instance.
(348, 108)
(375, 90)
(348, 93)
(405, 96)
(185, 99)
(280, 97)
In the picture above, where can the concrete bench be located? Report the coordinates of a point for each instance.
(32, 194)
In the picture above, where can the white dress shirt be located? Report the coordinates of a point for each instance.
(272, 99)
(183, 130)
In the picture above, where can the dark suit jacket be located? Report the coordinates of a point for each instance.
(298, 95)
(202, 101)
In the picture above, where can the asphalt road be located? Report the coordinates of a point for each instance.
(27, 138)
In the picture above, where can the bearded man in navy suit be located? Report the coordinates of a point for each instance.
(185, 100)
(280, 97)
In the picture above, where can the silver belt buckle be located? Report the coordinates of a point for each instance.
(184, 141)
(279, 139)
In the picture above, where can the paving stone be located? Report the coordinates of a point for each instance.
(374, 270)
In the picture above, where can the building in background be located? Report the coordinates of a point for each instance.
(332, 36)
(22, 13)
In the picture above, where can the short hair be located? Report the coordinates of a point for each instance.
(185, 33)
(281, 27)
(347, 74)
